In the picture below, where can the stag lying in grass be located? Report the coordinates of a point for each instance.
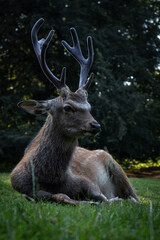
(53, 168)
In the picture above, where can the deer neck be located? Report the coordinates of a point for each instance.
(54, 152)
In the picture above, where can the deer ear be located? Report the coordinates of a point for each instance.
(34, 107)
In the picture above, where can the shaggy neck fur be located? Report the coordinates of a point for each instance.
(54, 152)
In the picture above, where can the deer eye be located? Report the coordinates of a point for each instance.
(68, 109)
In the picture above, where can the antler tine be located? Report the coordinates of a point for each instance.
(40, 48)
(85, 63)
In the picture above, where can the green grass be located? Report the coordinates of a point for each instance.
(20, 219)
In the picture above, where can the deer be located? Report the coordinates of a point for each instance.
(54, 168)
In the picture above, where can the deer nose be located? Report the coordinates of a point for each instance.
(96, 127)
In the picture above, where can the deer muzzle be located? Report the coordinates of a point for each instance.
(95, 127)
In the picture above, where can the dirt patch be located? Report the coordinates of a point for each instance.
(147, 173)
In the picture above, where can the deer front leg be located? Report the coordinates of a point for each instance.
(81, 186)
(58, 198)
(63, 198)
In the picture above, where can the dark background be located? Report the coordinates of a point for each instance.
(125, 95)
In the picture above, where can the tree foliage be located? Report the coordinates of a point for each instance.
(125, 95)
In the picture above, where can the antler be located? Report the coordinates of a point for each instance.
(85, 63)
(40, 48)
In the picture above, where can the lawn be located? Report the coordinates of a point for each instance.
(20, 219)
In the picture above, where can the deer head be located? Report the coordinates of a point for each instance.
(71, 110)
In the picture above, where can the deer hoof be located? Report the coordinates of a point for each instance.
(116, 199)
